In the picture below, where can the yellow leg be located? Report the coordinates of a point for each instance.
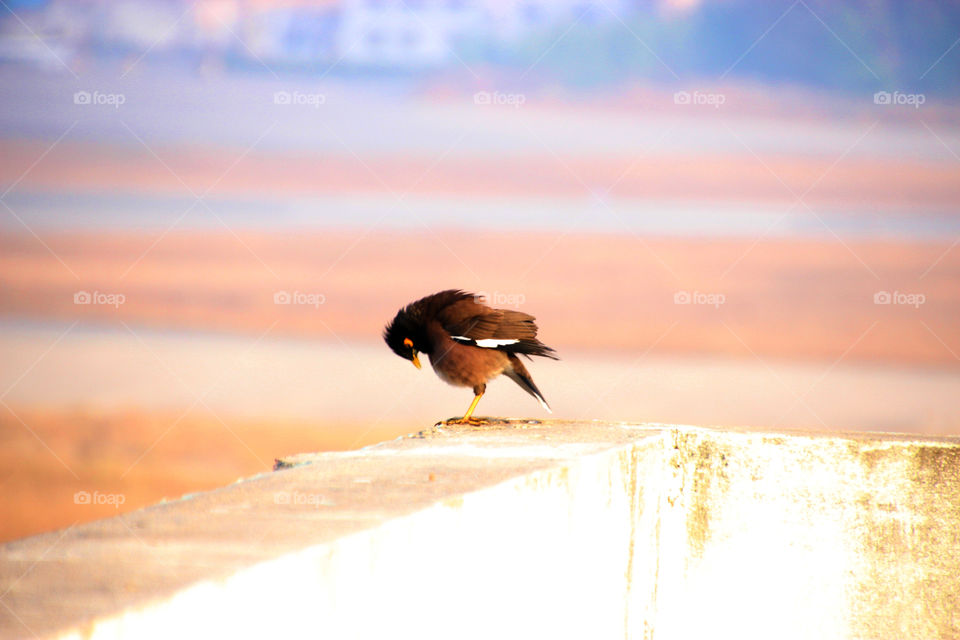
(473, 405)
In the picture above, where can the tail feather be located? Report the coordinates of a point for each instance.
(519, 374)
(531, 347)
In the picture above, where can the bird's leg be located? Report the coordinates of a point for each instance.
(467, 419)
(473, 405)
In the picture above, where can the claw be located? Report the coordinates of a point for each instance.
(473, 422)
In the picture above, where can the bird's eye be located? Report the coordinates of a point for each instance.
(407, 342)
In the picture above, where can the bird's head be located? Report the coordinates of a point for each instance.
(406, 335)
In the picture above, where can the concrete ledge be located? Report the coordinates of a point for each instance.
(527, 529)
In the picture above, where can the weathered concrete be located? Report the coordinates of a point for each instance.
(527, 530)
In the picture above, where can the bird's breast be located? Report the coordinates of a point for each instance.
(464, 366)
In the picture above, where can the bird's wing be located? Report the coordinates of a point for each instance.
(472, 323)
(477, 321)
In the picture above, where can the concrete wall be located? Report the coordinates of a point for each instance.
(527, 530)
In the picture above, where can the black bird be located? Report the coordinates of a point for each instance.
(468, 342)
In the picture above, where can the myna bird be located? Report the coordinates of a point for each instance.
(468, 342)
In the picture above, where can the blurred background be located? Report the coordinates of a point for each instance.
(721, 212)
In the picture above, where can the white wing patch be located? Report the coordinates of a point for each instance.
(486, 343)
(492, 343)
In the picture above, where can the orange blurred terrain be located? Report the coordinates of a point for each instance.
(799, 299)
(860, 182)
(46, 457)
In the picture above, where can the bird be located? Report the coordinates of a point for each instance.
(468, 343)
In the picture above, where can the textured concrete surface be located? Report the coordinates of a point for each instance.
(527, 529)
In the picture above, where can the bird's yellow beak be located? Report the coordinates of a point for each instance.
(415, 360)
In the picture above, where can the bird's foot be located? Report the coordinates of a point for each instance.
(471, 421)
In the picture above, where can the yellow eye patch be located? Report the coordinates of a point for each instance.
(407, 342)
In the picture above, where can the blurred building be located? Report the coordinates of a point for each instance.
(418, 33)
(398, 34)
